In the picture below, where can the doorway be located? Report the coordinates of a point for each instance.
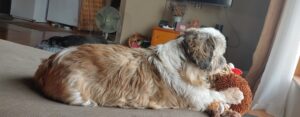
(5, 6)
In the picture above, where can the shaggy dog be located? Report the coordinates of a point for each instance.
(171, 75)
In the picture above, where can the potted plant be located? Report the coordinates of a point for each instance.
(178, 10)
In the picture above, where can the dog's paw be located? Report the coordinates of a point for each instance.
(213, 113)
(90, 103)
(216, 108)
(233, 95)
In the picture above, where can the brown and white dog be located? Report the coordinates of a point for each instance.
(171, 75)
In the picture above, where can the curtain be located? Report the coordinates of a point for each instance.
(276, 79)
(261, 54)
(87, 14)
(297, 72)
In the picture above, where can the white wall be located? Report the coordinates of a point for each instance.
(139, 16)
(243, 23)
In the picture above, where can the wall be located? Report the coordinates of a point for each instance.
(243, 23)
(139, 16)
(246, 18)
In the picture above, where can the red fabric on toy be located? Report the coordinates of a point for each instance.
(237, 71)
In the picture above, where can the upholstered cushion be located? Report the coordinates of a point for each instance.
(18, 97)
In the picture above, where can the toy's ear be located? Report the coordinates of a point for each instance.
(199, 48)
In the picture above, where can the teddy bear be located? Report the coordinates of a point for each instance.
(231, 77)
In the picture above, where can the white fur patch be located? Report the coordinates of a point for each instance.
(63, 53)
(75, 98)
(75, 95)
(233, 95)
(170, 60)
(214, 33)
(74, 77)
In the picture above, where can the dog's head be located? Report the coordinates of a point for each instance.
(205, 48)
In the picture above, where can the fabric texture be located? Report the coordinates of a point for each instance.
(271, 94)
(19, 98)
(263, 49)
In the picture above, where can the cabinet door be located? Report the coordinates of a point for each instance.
(22, 9)
(64, 11)
(29, 9)
(160, 37)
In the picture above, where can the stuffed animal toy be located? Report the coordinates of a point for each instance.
(137, 41)
(233, 78)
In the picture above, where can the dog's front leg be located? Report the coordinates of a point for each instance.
(233, 95)
(204, 98)
(220, 107)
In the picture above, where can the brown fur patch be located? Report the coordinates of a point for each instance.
(129, 82)
(225, 81)
(158, 77)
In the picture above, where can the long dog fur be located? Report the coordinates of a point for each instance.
(171, 75)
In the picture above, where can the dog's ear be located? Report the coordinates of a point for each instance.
(199, 48)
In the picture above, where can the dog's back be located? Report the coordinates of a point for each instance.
(171, 75)
(108, 75)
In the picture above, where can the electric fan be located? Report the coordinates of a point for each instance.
(107, 20)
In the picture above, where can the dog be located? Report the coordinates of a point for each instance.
(171, 75)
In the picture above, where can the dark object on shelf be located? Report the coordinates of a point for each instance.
(197, 3)
(146, 44)
(219, 27)
(116, 4)
(225, 3)
(57, 43)
(163, 23)
(5, 6)
(73, 40)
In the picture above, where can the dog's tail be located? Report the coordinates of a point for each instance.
(44, 69)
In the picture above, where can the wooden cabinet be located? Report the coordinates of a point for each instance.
(160, 35)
